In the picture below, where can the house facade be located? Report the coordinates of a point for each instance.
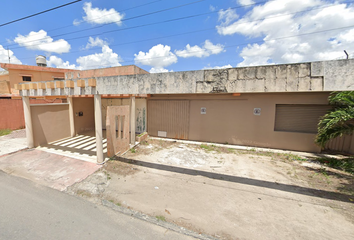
(275, 106)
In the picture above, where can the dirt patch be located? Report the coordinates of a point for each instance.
(121, 168)
(228, 193)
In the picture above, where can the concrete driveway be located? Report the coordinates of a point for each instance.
(41, 167)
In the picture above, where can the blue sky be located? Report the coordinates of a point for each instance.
(209, 33)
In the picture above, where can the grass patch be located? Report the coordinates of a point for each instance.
(141, 134)
(132, 150)
(4, 132)
(345, 164)
(161, 218)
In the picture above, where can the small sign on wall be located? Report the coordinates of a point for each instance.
(257, 111)
(203, 110)
(161, 134)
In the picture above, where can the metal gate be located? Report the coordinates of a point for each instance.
(168, 118)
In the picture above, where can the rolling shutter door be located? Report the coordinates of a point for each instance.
(170, 117)
(298, 117)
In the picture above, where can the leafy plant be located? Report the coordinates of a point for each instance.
(337, 122)
(346, 164)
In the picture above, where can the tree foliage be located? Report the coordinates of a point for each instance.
(338, 121)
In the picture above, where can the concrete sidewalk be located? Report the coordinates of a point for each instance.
(47, 169)
(13, 142)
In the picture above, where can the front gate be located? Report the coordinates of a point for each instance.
(117, 130)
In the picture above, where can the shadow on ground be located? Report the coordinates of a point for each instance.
(247, 181)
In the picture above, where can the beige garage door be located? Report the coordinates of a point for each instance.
(168, 118)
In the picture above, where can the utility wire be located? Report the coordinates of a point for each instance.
(71, 25)
(48, 10)
(123, 20)
(246, 43)
(175, 19)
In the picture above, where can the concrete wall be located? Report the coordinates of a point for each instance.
(103, 72)
(231, 119)
(87, 121)
(50, 123)
(11, 112)
(335, 75)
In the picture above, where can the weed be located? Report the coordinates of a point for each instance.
(161, 218)
(345, 164)
(206, 147)
(141, 134)
(4, 132)
(108, 175)
(144, 143)
(118, 204)
(83, 193)
(132, 150)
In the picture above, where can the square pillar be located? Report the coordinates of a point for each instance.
(98, 128)
(71, 116)
(132, 120)
(28, 121)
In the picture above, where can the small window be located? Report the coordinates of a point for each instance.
(58, 78)
(26, 79)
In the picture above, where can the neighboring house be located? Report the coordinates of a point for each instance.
(274, 106)
(16, 73)
(10, 103)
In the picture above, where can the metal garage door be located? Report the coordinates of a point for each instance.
(168, 118)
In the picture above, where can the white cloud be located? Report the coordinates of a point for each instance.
(95, 42)
(159, 56)
(55, 61)
(227, 16)
(107, 58)
(245, 2)
(208, 49)
(218, 67)
(275, 21)
(4, 56)
(41, 41)
(159, 70)
(101, 16)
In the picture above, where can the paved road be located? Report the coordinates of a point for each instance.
(31, 211)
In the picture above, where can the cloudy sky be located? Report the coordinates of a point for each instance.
(166, 35)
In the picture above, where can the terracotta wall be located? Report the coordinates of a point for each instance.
(230, 119)
(4, 87)
(11, 112)
(87, 121)
(50, 123)
(16, 76)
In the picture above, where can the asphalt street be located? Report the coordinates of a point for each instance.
(32, 211)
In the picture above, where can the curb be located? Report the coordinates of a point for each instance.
(153, 220)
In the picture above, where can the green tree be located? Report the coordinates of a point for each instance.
(337, 122)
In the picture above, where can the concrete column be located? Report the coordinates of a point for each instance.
(98, 127)
(71, 116)
(132, 120)
(28, 121)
